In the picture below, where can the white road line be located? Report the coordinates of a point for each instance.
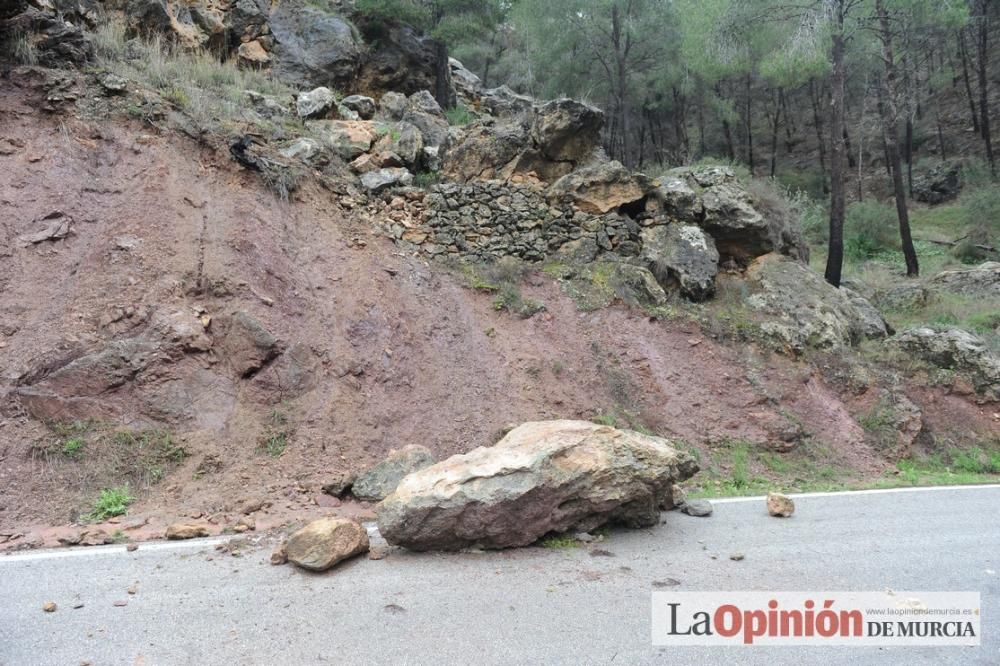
(843, 493)
(145, 547)
(195, 544)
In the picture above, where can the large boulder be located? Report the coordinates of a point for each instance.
(601, 188)
(954, 349)
(313, 47)
(382, 179)
(382, 479)
(713, 198)
(486, 150)
(939, 184)
(680, 200)
(682, 254)
(502, 102)
(346, 138)
(800, 309)
(400, 59)
(565, 130)
(423, 111)
(983, 280)
(467, 85)
(550, 476)
(194, 25)
(325, 542)
(363, 107)
(404, 140)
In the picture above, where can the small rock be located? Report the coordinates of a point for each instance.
(696, 507)
(736, 557)
(315, 103)
(378, 554)
(179, 531)
(121, 603)
(134, 589)
(666, 582)
(78, 605)
(132, 547)
(113, 84)
(279, 556)
(49, 607)
(780, 506)
(584, 537)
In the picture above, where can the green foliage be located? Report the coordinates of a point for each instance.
(561, 542)
(277, 432)
(459, 115)
(606, 420)
(73, 447)
(870, 229)
(110, 503)
(427, 179)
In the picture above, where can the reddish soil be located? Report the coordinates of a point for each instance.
(381, 349)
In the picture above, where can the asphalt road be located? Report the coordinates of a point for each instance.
(529, 606)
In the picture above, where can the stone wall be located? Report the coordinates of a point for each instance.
(488, 220)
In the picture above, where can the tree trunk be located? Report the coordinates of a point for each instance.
(984, 82)
(749, 124)
(774, 133)
(814, 97)
(888, 112)
(444, 93)
(965, 77)
(726, 130)
(835, 257)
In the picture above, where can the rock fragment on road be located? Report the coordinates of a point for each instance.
(780, 506)
(697, 508)
(179, 531)
(325, 542)
(49, 607)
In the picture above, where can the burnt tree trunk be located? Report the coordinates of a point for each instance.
(889, 115)
(835, 256)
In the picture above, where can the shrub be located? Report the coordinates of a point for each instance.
(870, 229)
(459, 116)
(110, 503)
(981, 219)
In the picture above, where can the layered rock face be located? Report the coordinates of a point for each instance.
(549, 476)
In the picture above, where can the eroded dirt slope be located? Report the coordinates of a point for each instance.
(186, 299)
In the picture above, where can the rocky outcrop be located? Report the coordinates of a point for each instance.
(502, 102)
(939, 184)
(326, 542)
(802, 310)
(382, 479)
(713, 198)
(398, 58)
(468, 86)
(981, 281)
(545, 142)
(346, 138)
(683, 255)
(552, 476)
(314, 48)
(565, 130)
(954, 349)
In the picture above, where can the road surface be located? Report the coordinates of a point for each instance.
(194, 605)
